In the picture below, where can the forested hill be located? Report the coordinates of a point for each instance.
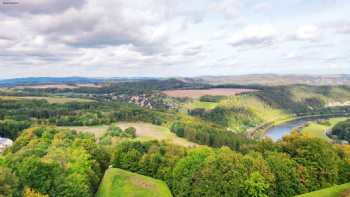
(276, 80)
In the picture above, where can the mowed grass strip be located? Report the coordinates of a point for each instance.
(59, 100)
(334, 191)
(120, 183)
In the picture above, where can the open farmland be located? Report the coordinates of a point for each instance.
(144, 131)
(118, 182)
(195, 94)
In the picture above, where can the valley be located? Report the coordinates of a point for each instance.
(157, 137)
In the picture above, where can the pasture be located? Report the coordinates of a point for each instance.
(195, 93)
(120, 183)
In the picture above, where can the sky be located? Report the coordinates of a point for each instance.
(165, 38)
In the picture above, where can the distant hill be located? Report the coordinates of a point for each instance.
(260, 79)
(66, 80)
(49, 80)
(274, 79)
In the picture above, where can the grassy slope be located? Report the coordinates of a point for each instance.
(121, 183)
(266, 113)
(315, 129)
(261, 109)
(144, 131)
(335, 191)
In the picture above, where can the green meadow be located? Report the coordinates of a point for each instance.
(317, 129)
(120, 183)
(335, 191)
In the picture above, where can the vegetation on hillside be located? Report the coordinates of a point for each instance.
(269, 104)
(342, 130)
(53, 162)
(49, 160)
(295, 165)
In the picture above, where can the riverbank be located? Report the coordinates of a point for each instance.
(319, 128)
(260, 131)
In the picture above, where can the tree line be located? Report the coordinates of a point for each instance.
(52, 162)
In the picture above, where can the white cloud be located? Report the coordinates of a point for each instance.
(176, 36)
(264, 6)
(229, 8)
(22, 7)
(310, 33)
(342, 26)
(255, 35)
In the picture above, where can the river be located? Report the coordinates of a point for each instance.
(4, 143)
(278, 131)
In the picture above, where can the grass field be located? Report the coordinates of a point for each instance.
(335, 191)
(144, 131)
(195, 94)
(200, 104)
(49, 99)
(315, 129)
(121, 183)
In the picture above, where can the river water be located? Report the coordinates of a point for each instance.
(4, 143)
(278, 131)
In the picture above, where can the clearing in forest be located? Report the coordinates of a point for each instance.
(144, 131)
(121, 183)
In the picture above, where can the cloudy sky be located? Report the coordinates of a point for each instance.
(107, 38)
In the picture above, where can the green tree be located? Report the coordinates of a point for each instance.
(9, 183)
(185, 170)
(255, 186)
(287, 175)
(38, 175)
(318, 157)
